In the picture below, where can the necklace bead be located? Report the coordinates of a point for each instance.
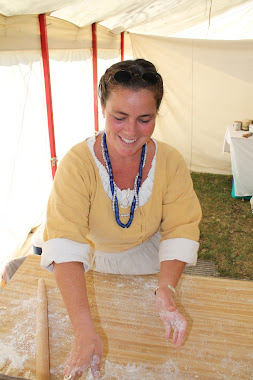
(113, 186)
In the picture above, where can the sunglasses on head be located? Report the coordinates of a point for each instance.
(124, 76)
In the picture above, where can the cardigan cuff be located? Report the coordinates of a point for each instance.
(179, 249)
(61, 250)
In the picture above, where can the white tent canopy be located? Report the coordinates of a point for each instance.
(208, 76)
(213, 19)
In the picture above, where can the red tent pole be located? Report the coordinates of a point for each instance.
(95, 79)
(45, 59)
(122, 47)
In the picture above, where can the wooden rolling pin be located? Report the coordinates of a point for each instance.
(42, 341)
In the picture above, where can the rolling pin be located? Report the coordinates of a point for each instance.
(42, 341)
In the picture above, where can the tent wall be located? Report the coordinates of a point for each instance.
(24, 146)
(208, 85)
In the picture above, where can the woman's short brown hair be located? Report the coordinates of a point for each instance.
(136, 68)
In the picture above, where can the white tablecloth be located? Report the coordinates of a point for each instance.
(241, 150)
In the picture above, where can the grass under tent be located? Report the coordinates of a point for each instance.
(226, 229)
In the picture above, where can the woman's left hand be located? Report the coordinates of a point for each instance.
(170, 315)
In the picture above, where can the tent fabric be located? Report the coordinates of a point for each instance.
(187, 19)
(22, 33)
(24, 150)
(19, 33)
(212, 19)
(208, 85)
(234, 24)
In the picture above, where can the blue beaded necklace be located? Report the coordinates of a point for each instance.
(137, 183)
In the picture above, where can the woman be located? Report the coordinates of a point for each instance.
(121, 203)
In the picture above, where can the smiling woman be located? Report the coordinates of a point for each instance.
(130, 121)
(121, 203)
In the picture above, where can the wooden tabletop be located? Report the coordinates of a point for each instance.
(219, 343)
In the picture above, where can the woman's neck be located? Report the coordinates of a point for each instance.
(125, 168)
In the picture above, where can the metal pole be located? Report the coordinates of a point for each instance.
(45, 60)
(94, 62)
(122, 45)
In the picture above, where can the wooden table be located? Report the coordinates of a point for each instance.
(219, 342)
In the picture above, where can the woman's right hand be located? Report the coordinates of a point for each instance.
(87, 351)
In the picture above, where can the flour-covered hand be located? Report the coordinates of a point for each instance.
(170, 315)
(87, 351)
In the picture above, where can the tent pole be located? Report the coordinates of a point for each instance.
(45, 59)
(94, 63)
(122, 47)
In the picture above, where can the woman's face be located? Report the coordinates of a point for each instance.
(129, 120)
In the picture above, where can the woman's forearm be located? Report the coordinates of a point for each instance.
(170, 272)
(71, 282)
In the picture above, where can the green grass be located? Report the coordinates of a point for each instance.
(226, 229)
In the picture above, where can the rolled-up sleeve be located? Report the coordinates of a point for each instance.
(181, 215)
(181, 249)
(68, 213)
(62, 251)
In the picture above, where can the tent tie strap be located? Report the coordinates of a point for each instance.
(54, 160)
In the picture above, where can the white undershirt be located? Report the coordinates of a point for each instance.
(125, 194)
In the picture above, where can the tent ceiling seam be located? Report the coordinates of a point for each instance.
(209, 18)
